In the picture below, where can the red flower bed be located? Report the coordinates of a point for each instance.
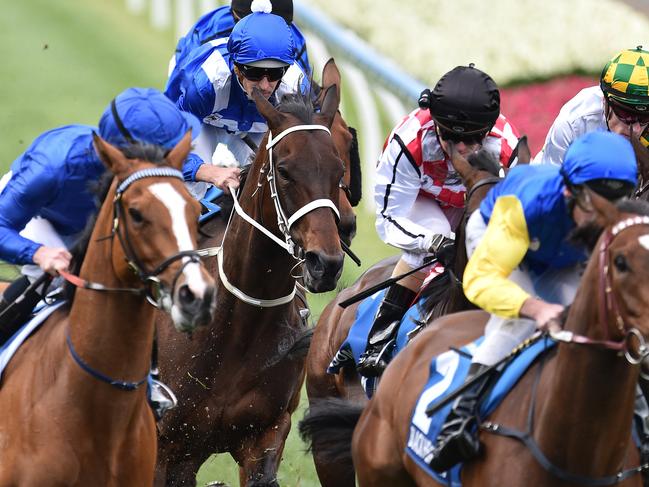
(533, 108)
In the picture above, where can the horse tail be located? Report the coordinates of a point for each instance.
(327, 428)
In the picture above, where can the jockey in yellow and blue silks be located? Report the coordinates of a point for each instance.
(218, 24)
(215, 83)
(522, 268)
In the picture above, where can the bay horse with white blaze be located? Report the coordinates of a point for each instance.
(568, 421)
(73, 398)
(238, 382)
(478, 176)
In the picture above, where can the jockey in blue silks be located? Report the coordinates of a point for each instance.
(522, 269)
(46, 197)
(215, 82)
(218, 24)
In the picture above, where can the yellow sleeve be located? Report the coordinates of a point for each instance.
(500, 251)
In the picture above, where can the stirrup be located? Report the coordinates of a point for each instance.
(457, 445)
(373, 361)
(161, 398)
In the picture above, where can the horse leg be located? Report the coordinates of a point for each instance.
(175, 469)
(258, 456)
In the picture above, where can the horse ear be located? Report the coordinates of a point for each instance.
(273, 116)
(466, 171)
(523, 151)
(110, 155)
(176, 156)
(331, 75)
(330, 105)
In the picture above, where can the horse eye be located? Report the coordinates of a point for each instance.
(283, 172)
(135, 215)
(620, 263)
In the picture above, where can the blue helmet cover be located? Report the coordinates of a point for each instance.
(600, 155)
(261, 36)
(149, 117)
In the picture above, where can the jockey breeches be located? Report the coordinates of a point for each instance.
(553, 285)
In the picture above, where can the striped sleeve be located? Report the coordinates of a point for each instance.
(500, 251)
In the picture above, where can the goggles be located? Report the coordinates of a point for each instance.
(470, 138)
(255, 73)
(627, 114)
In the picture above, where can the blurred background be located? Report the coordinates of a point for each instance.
(64, 60)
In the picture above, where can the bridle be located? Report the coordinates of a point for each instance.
(153, 291)
(284, 222)
(608, 305)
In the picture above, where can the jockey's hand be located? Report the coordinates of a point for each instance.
(221, 177)
(52, 259)
(547, 315)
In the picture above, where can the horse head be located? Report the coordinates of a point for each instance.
(155, 220)
(346, 144)
(307, 173)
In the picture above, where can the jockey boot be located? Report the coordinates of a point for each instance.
(160, 396)
(15, 307)
(395, 303)
(458, 439)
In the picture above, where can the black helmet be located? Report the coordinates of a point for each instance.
(464, 101)
(283, 8)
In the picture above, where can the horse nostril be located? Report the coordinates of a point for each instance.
(315, 265)
(186, 295)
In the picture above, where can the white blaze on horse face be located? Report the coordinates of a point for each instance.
(644, 241)
(175, 203)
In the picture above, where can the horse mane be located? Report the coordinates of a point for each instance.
(481, 160)
(299, 105)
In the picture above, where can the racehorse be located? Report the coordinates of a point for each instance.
(73, 397)
(478, 176)
(238, 381)
(568, 421)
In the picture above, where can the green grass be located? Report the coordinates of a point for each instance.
(63, 61)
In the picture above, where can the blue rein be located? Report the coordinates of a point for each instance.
(119, 384)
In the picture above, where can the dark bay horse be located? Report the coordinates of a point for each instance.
(238, 381)
(334, 323)
(577, 404)
(63, 422)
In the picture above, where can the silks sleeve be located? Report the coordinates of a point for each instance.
(500, 251)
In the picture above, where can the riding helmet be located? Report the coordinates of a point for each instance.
(625, 78)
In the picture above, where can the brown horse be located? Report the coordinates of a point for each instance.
(576, 404)
(334, 323)
(63, 421)
(238, 381)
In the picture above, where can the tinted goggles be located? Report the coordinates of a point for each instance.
(471, 138)
(627, 115)
(254, 73)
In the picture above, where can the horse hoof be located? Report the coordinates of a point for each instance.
(216, 483)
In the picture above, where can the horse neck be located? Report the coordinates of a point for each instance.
(111, 331)
(586, 395)
(251, 260)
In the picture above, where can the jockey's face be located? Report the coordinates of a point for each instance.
(264, 84)
(620, 124)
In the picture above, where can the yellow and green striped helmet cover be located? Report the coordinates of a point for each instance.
(626, 77)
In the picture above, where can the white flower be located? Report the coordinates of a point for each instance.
(261, 6)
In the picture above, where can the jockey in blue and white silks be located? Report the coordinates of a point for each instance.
(522, 268)
(218, 24)
(215, 82)
(45, 199)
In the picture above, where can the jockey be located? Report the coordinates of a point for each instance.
(619, 104)
(215, 83)
(46, 199)
(522, 268)
(418, 196)
(218, 24)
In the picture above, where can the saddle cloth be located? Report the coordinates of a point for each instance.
(8, 350)
(448, 372)
(353, 347)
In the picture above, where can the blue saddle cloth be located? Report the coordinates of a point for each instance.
(353, 347)
(448, 372)
(211, 208)
(9, 348)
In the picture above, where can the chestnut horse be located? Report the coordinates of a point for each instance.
(576, 405)
(334, 323)
(73, 398)
(238, 381)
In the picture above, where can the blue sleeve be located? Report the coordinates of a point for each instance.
(30, 189)
(197, 95)
(301, 56)
(190, 166)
